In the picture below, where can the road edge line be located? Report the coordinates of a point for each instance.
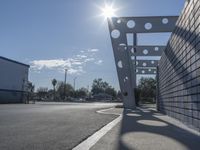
(94, 138)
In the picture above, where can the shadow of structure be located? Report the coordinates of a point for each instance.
(185, 60)
(143, 129)
(179, 64)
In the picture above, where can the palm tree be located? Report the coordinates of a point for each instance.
(54, 82)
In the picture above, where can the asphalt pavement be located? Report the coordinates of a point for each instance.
(50, 126)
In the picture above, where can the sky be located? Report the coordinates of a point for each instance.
(51, 35)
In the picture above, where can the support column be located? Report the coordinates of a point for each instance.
(157, 90)
(135, 58)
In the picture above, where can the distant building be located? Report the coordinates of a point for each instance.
(13, 80)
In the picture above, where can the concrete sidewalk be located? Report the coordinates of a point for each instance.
(146, 129)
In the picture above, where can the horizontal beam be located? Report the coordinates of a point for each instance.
(147, 50)
(143, 24)
(146, 71)
(147, 63)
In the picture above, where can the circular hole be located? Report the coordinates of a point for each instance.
(135, 111)
(122, 44)
(143, 71)
(156, 48)
(119, 64)
(165, 21)
(132, 50)
(118, 21)
(149, 70)
(145, 51)
(149, 140)
(145, 111)
(144, 64)
(152, 62)
(131, 24)
(125, 79)
(148, 26)
(152, 123)
(115, 34)
(125, 93)
(133, 115)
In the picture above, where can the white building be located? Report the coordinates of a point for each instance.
(13, 80)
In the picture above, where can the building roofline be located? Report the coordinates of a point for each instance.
(1, 57)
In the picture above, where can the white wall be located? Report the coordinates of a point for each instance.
(12, 75)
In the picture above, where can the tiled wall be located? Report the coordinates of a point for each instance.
(179, 69)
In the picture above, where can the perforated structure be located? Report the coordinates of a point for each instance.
(123, 33)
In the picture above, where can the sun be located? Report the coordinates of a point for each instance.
(108, 11)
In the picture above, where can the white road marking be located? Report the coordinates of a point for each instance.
(93, 139)
(107, 113)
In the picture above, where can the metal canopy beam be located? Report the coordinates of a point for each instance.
(126, 77)
(146, 50)
(145, 71)
(143, 24)
(123, 34)
(147, 63)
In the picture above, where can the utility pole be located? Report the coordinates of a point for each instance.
(66, 75)
(75, 83)
(65, 82)
(88, 93)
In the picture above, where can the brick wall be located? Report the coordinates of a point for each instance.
(179, 69)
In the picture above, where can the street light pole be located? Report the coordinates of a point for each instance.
(66, 75)
(65, 82)
(75, 83)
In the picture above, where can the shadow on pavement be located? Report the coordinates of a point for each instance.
(141, 129)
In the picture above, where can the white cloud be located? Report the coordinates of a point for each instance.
(81, 56)
(75, 71)
(82, 51)
(99, 62)
(89, 59)
(74, 64)
(53, 63)
(93, 50)
(77, 63)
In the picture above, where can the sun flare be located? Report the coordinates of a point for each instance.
(108, 11)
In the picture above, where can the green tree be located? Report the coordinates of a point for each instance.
(31, 87)
(82, 92)
(147, 88)
(64, 90)
(54, 82)
(111, 91)
(51, 95)
(100, 86)
(30, 91)
(42, 92)
(119, 95)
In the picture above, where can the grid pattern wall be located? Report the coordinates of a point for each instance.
(179, 69)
